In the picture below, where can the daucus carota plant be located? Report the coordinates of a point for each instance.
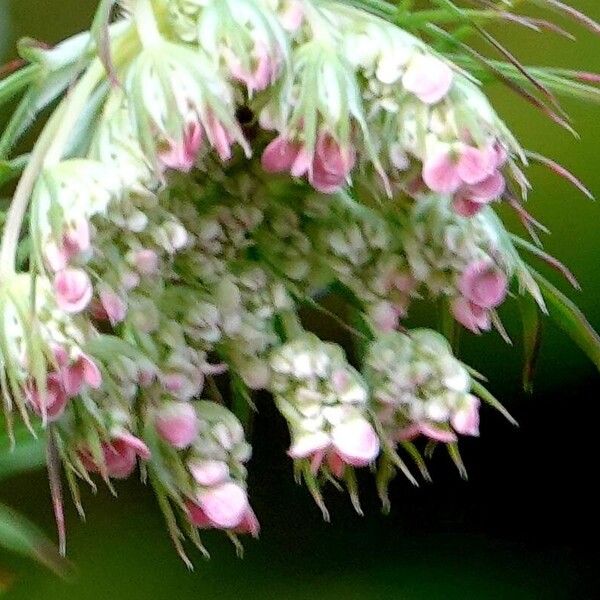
(208, 168)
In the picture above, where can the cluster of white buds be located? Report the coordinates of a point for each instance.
(357, 245)
(418, 387)
(324, 401)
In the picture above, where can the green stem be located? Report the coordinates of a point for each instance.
(291, 325)
(49, 150)
(146, 23)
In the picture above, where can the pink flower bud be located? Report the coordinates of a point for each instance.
(440, 173)
(292, 15)
(182, 155)
(434, 432)
(208, 472)
(356, 442)
(279, 155)
(490, 188)
(249, 524)
(385, 316)
(120, 456)
(83, 371)
(73, 290)
(264, 72)
(55, 256)
(221, 507)
(466, 419)
(51, 404)
(309, 444)
(437, 433)
(482, 283)
(177, 423)
(465, 207)
(219, 137)
(76, 239)
(331, 164)
(114, 307)
(428, 78)
(472, 316)
(146, 261)
(475, 164)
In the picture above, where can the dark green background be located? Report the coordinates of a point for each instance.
(522, 527)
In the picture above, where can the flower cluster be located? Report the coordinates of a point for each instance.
(216, 166)
(324, 402)
(419, 388)
(207, 443)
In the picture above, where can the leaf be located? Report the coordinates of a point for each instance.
(19, 535)
(11, 169)
(549, 259)
(100, 33)
(569, 318)
(13, 84)
(488, 398)
(532, 337)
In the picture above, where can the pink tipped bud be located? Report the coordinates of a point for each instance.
(182, 155)
(177, 423)
(473, 317)
(440, 173)
(309, 444)
(221, 507)
(208, 472)
(114, 307)
(249, 524)
(466, 419)
(120, 456)
(482, 283)
(83, 371)
(356, 442)
(73, 290)
(146, 261)
(437, 433)
(56, 257)
(279, 155)
(292, 15)
(76, 239)
(491, 188)
(51, 404)
(219, 137)
(465, 207)
(475, 164)
(332, 164)
(428, 78)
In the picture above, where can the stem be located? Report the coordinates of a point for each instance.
(291, 325)
(147, 26)
(48, 150)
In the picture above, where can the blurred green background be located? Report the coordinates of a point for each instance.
(522, 527)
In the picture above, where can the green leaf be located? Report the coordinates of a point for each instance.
(13, 84)
(11, 169)
(488, 398)
(18, 534)
(570, 319)
(532, 337)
